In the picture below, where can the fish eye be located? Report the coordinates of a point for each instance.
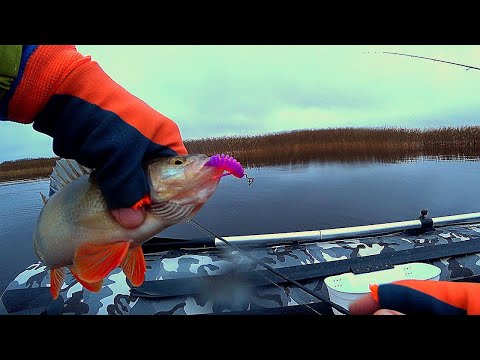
(176, 161)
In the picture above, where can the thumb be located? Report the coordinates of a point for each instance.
(387, 312)
(129, 218)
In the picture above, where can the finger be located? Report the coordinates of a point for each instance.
(387, 312)
(365, 305)
(129, 218)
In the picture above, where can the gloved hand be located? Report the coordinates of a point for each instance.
(414, 297)
(91, 119)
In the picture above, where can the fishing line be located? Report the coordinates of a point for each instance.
(269, 268)
(249, 179)
(303, 303)
(298, 300)
(432, 59)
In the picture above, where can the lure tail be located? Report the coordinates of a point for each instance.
(227, 163)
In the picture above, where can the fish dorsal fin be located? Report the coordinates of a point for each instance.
(65, 171)
(44, 198)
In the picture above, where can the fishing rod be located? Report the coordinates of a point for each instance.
(321, 235)
(431, 59)
(421, 224)
(272, 270)
(334, 233)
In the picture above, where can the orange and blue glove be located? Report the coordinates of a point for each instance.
(421, 297)
(91, 119)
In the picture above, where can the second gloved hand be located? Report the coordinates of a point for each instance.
(420, 297)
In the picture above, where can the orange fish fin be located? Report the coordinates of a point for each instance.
(94, 261)
(92, 286)
(57, 277)
(134, 266)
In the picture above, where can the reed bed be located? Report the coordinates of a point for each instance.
(325, 145)
(26, 168)
(345, 145)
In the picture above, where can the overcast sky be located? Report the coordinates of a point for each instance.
(215, 91)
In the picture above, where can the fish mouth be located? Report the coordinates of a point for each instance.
(201, 168)
(195, 184)
(186, 204)
(198, 166)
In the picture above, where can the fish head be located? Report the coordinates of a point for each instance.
(182, 180)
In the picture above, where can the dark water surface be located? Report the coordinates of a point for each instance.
(281, 199)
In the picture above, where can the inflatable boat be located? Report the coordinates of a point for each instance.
(283, 273)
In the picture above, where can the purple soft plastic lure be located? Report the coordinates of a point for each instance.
(227, 163)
